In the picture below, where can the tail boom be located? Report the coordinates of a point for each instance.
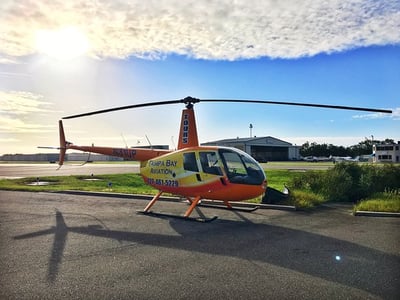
(137, 154)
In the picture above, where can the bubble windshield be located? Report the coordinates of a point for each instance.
(241, 168)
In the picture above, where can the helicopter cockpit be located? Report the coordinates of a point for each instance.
(238, 166)
(241, 167)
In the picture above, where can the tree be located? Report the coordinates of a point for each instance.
(362, 148)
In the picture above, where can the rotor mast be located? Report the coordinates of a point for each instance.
(188, 129)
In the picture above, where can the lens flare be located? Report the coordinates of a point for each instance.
(64, 43)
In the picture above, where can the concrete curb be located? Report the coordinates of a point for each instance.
(364, 213)
(116, 195)
(278, 207)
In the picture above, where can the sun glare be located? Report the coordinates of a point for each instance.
(64, 43)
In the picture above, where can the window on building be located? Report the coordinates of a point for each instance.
(384, 148)
(385, 157)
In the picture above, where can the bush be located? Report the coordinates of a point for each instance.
(307, 181)
(304, 200)
(350, 181)
(385, 202)
(337, 185)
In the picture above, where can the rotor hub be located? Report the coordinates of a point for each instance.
(189, 101)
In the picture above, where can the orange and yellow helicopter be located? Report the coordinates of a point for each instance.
(193, 171)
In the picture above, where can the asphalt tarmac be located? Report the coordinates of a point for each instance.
(60, 246)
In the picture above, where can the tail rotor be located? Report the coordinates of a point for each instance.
(63, 144)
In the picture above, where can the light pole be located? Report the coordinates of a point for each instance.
(251, 127)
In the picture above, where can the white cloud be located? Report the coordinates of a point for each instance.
(19, 110)
(8, 60)
(395, 115)
(8, 140)
(21, 103)
(205, 29)
(15, 125)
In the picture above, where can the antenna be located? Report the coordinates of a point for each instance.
(123, 138)
(151, 146)
(173, 142)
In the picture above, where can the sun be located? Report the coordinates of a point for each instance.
(63, 44)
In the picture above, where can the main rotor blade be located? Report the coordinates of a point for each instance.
(102, 111)
(189, 101)
(300, 104)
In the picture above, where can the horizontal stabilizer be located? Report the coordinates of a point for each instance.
(44, 147)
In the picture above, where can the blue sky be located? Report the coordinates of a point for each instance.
(62, 59)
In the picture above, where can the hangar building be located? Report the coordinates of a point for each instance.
(263, 149)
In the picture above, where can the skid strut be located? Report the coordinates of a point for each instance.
(235, 208)
(151, 203)
(193, 203)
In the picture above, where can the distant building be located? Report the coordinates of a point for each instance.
(263, 149)
(50, 157)
(386, 152)
(53, 157)
(74, 156)
(84, 156)
(166, 147)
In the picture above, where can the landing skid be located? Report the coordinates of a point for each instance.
(236, 208)
(194, 219)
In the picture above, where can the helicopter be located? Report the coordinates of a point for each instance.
(193, 171)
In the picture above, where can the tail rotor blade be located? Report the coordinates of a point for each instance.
(63, 144)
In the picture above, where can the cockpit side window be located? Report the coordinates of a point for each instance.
(189, 162)
(209, 163)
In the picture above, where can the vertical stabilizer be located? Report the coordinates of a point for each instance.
(188, 130)
(63, 143)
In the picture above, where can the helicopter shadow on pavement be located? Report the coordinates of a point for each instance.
(328, 258)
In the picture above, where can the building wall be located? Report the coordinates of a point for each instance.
(50, 157)
(263, 149)
(294, 153)
(386, 153)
